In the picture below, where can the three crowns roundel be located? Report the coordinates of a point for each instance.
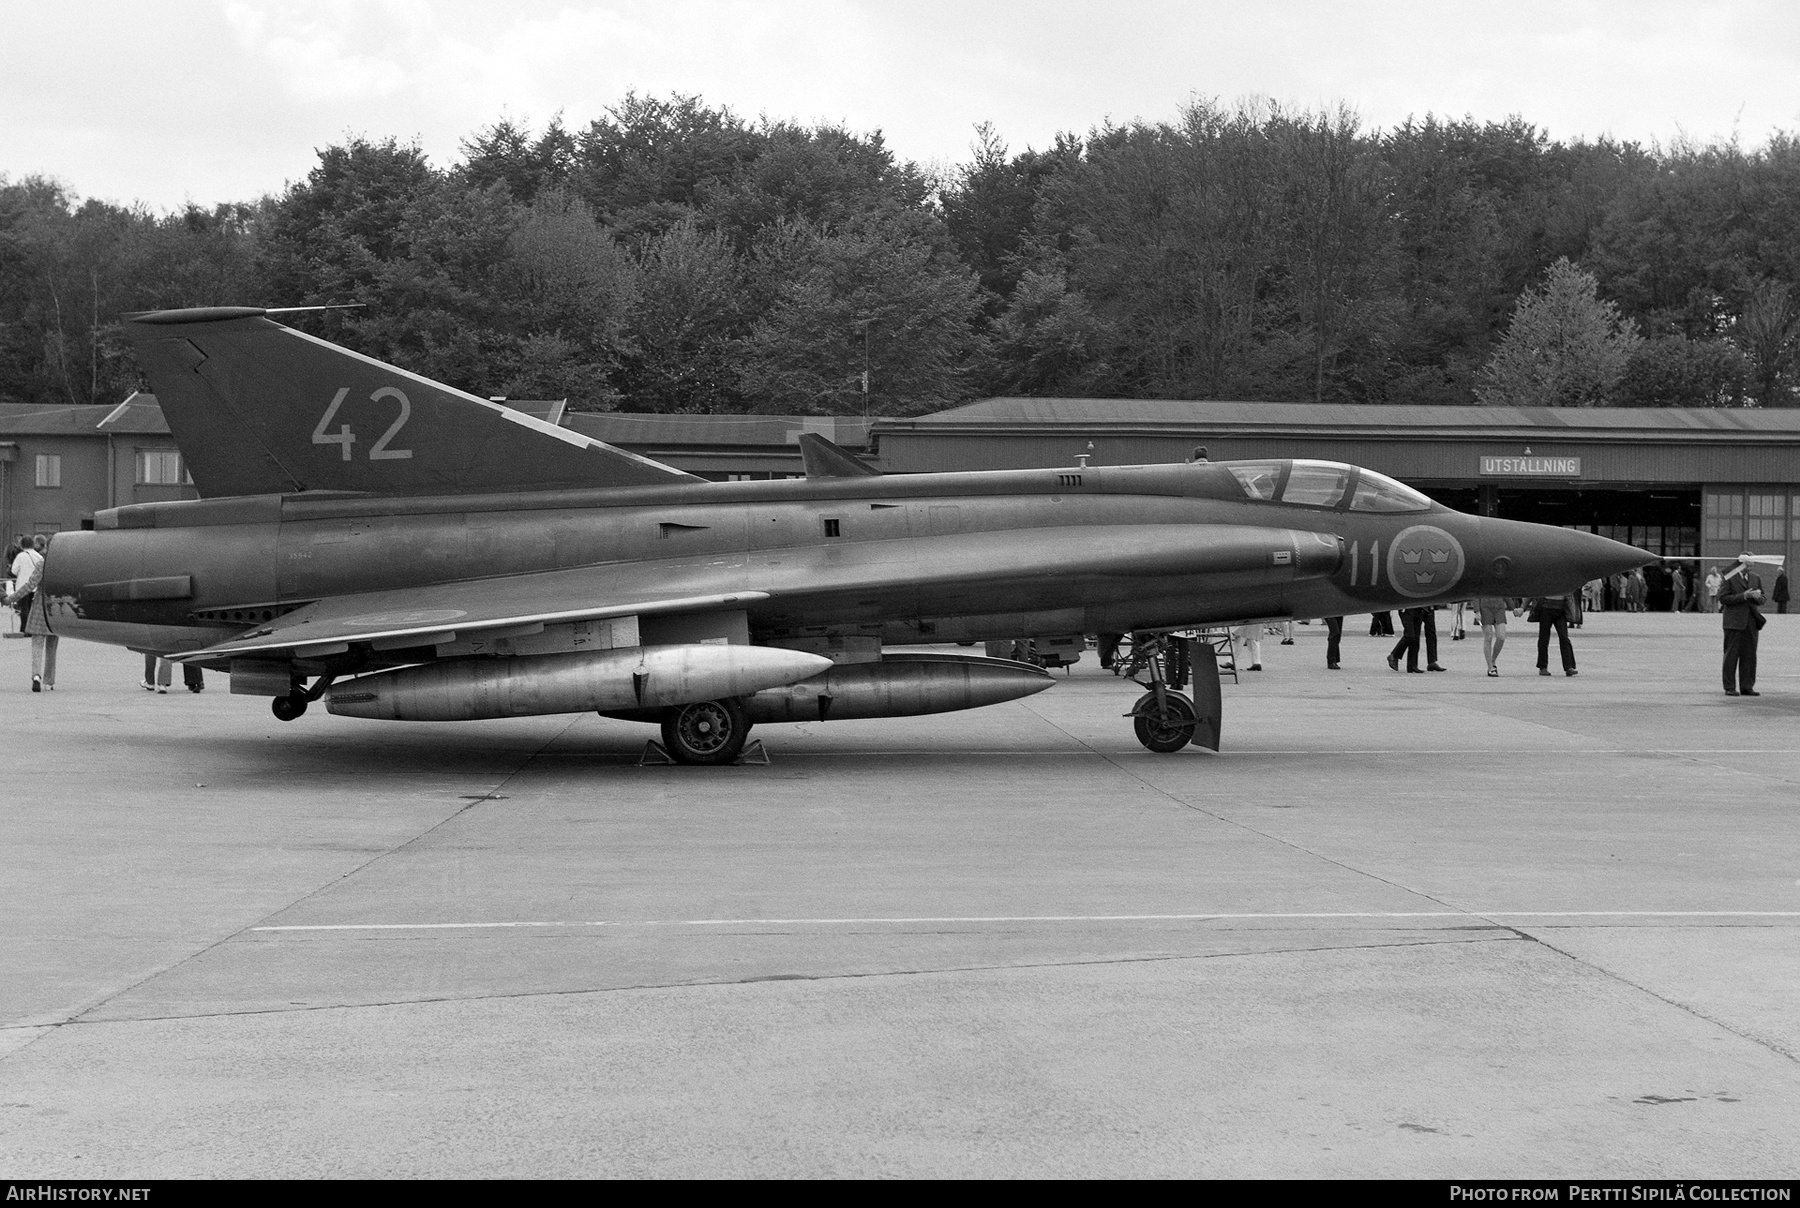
(1424, 561)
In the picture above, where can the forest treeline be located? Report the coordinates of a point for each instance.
(671, 256)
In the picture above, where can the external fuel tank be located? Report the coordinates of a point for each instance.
(470, 689)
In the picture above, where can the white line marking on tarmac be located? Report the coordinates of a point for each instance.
(1061, 918)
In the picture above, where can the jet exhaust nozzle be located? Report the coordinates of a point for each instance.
(473, 689)
(900, 685)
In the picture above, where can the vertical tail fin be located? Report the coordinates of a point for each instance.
(258, 408)
(823, 459)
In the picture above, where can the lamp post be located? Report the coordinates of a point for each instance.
(865, 324)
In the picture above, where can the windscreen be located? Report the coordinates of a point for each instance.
(1379, 493)
(1258, 479)
(1319, 484)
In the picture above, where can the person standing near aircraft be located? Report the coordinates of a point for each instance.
(50, 640)
(1334, 637)
(1491, 612)
(1552, 612)
(1781, 591)
(1740, 592)
(1416, 624)
(1250, 638)
(158, 674)
(27, 570)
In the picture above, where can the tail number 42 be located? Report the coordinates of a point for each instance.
(344, 437)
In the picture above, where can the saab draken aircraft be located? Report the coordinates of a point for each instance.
(403, 550)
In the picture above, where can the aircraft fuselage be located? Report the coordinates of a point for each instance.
(916, 558)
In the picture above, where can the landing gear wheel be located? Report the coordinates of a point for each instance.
(1166, 730)
(705, 732)
(287, 708)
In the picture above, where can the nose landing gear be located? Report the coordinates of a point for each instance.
(1166, 721)
(1164, 726)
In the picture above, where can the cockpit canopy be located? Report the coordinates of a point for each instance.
(1326, 484)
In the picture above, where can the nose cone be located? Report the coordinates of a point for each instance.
(1520, 559)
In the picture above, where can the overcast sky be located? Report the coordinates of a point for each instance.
(169, 101)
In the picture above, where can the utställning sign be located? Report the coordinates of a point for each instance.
(1531, 467)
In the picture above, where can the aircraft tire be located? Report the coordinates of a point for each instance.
(707, 732)
(289, 707)
(1171, 731)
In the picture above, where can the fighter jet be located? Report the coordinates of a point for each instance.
(403, 550)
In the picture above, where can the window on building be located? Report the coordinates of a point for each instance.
(1768, 518)
(1724, 516)
(49, 469)
(159, 468)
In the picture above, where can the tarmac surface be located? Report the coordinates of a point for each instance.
(1428, 925)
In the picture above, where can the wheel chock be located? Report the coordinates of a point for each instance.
(654, 755)
(753, 753)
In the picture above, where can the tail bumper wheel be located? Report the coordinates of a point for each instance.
(705, 732)
(1166, 729)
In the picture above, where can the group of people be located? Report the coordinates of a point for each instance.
(158, 675)
(1419, 628)
(25, 567)
(1737, 592)
(1630, 591)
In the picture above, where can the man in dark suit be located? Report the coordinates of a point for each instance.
(1739, 594)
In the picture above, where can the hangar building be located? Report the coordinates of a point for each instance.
(1690, 482)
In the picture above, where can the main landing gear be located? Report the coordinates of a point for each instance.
(1166, 721)
(291, 706)
(706, 731)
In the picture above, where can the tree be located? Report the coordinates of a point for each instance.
(890, 279)
(506, 153)
(1170, 234)
(1336, 237)
(824, 176)
(1678, 372)
(1768, 330)
(1444, 260)
(685, 330)
(1564, 347)
(570, 289)
(1049, 339)
(427, 255)
(988, 206)
(643, 165)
